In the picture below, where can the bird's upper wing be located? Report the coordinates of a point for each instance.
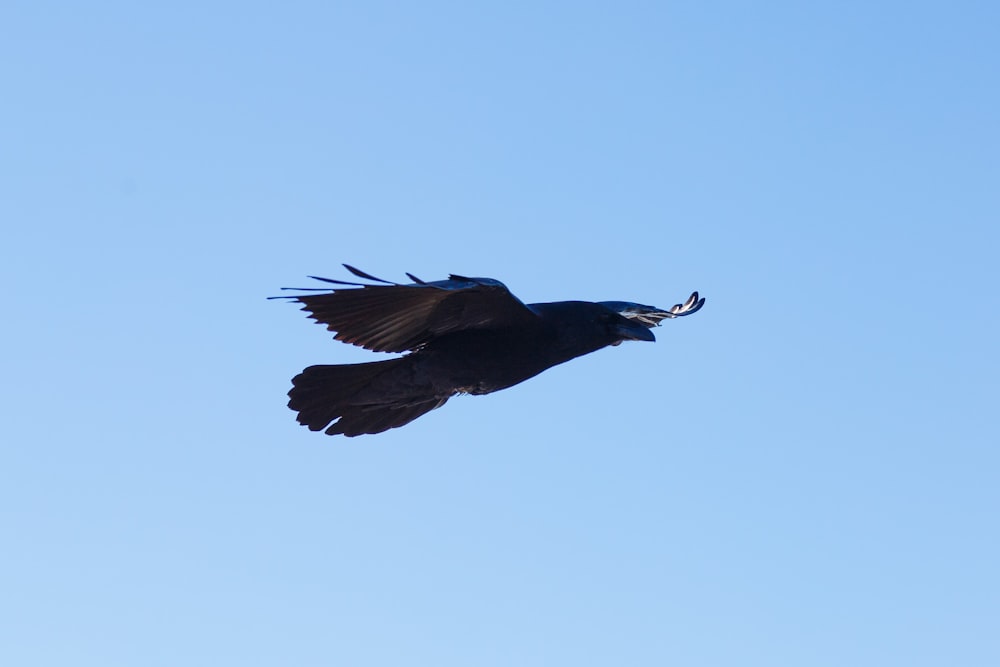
(651, 316)
(390, 317)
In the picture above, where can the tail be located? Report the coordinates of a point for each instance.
(358, 398)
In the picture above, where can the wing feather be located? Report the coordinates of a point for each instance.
(390, 317)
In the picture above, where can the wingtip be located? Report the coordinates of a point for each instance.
(697, 303)
(333, 281)
(367, 276)
(692, 305)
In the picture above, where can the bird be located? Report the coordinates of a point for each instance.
(458, 336)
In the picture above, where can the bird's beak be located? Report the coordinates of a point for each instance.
(628, 330)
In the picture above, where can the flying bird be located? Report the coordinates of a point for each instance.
(461, 335)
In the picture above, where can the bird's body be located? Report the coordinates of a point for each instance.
(464, 336)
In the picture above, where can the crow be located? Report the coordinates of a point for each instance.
(462, 335)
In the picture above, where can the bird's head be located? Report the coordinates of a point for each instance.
(620, 328)
(584, 326)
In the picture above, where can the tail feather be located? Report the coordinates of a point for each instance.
(378, 418)
(345, 396)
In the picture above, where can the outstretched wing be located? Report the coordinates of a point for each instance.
(390, 317)
(651, 316)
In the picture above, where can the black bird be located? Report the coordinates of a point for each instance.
(464, 335)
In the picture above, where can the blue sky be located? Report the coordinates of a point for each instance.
(804, 473)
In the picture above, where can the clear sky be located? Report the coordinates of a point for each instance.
(804, 473)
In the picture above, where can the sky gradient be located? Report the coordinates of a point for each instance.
(803, 473)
